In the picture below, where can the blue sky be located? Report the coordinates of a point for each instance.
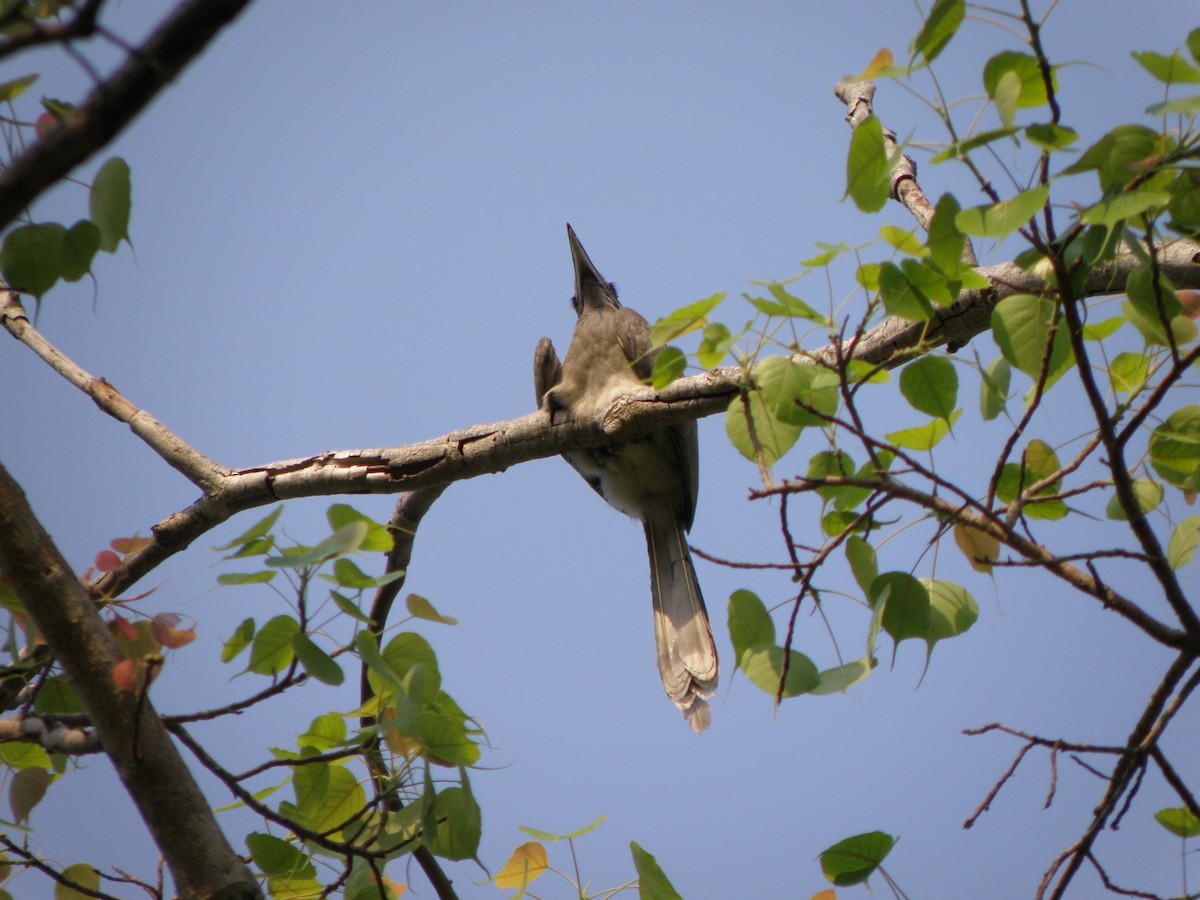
(348, 231)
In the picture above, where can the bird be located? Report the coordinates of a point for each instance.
(653, 478)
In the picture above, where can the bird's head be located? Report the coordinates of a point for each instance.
(591, 290)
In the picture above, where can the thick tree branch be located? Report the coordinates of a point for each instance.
(114, 104)
(491, 448)
(175, 810)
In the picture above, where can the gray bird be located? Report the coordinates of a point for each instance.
(651, 478)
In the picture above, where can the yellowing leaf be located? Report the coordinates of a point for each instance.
(81, 874)
(526, 863)
(980, 549)
(26, 790)
(880, 61)
(421, 608)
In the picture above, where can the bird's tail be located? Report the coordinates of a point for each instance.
(687, 656)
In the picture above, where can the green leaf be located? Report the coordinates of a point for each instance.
(255, 531)
(763, 665)
(271, 650)
(868, 167)
(57, 695)
(714, 345)
(458, 824)
(930, 385)
(924, 437)
(653, 884)
(81, 874)
(946, 242)
(687, 318)
(797, 393)
(19, 755)
(1050, 136)
(1098, 331)
(1180, 106)
(1006, 93)
(669, 364)
(1179, 821)
(959, 149)
(938, 29)
(316, 662)
(1174, 448)
(277, 858)
(844, 677)
(238, 641)
(750, 623)
(1118, 156)
(1023, 71)
(420, 608)
(999, 220)
(378, 539)
(900, 296)
(1149, 494)
(1115, 210)
(1193, 43)
(855, 859)
(445, 741)
(10, 90)
(245, 577)
(993, 388)
(1038, 462)
(773, 437)
(1149, 309)
(109, 203)
(791, 306)
(331, 799)
(952, 610)
(1184, 541)
(1128, 372)
(906, 614)
(345, 540)
(31, 258)
(550, 836)
(324, 732)
(828, 463)
(348, 607)
(863, 563)
(79, 248)
(1173, 69)
(408, 650)
(903, 239)
(1021, 326)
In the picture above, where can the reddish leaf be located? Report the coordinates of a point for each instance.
(106, 561)
(127, 545)
(122, 627)
(166, 632)
(136, 674)
(1190, 301)
(140, 596)
(125, 674)
(45, 124)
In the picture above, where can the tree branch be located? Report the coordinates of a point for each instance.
(494, 447)
(172, 805)
(114, 104)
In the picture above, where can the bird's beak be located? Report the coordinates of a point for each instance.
(590, 287)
